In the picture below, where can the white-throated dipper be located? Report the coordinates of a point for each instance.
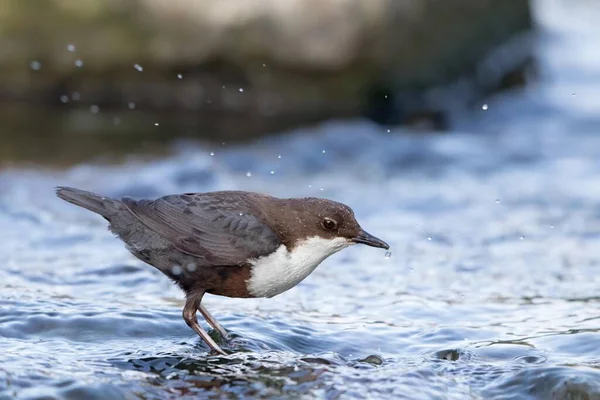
(228, 243)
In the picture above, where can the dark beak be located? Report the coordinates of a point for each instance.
(370, 240)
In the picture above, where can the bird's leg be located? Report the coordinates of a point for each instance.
(212, 321)
(189, 315)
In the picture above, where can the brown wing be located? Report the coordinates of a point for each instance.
(220, 229)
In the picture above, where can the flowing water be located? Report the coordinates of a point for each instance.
(491, 292)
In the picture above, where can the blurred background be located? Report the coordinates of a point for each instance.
(465, 133)
(115, 76)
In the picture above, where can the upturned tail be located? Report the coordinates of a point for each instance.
(91, 201)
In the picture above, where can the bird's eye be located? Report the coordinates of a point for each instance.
(329, 224)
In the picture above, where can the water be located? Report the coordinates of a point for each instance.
(492, 290)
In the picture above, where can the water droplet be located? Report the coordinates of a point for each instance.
(264, 65)
(71, 48)
(64, 98)
(321, 189)
(573, 94)
(241, 90)
(179, 76)
(552, 226)
(411, 269)
(75, 96)
(484, 107)
(309, 186)
(176, 270)
(35, 65)
(131, 106)
(497, 201)
(323, 151)
(248, 174)
(117, 121)
(212, 153)
(78, 63)
(522, 238)
(191, 267)
(156, 124)
(241, 214)
(94, 109)
(388, 254)
(428, 237)
(388, 131)
(272, 172)
(279, 156)
(138, 67)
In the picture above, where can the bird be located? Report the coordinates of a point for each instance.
(227, 243)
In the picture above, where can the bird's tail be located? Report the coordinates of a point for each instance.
(100, 205)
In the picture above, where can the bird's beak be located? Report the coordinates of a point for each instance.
(370, 240)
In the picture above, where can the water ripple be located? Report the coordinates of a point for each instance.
(491, 291)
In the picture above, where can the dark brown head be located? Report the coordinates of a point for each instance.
(327, 219)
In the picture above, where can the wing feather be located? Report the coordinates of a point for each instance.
(221, 230)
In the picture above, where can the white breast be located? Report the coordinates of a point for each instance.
(282, 269)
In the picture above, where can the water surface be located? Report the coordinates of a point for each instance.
(491, 291)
